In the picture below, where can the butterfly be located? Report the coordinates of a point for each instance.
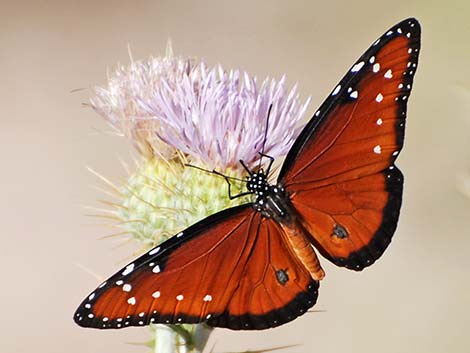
(254, 266)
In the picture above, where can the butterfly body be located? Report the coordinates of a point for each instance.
(273, 201)
(254, 266)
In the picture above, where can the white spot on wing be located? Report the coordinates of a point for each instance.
(128, 269)
(179, 297)
(379, 98)
(376, 67)
(156, 269)
(131, 301)
(156, 294)
(388, 74)
(336, 91)
(180, 234)
(379, 121)
(154, 251)
(354, 94)
(372, 59)
(91, 296)
(208, 298)
(378, 149)
(357, 67)
(126, 288)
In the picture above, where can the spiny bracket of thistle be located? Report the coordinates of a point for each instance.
(163, 197)
(177, 110)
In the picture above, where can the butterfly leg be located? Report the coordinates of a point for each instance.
(271, 161)
(245, 167)
(231, 197)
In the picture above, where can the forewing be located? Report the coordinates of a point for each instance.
(340, 172)
(196, 275)
(185, 279)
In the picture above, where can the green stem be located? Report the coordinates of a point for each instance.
(165, 339)
(181, 338)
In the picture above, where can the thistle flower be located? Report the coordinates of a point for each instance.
(176, 111)
(215, 117)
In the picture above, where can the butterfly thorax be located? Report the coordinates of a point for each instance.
(271, 200)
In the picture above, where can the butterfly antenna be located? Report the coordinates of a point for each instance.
(265, 136)
(213, 171)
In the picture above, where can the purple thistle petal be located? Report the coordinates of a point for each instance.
(214, 116)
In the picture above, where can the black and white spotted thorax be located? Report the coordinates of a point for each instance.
(271, 200)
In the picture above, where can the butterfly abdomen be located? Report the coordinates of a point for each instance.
(296, 235)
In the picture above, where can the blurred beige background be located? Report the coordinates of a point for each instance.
(416, 299)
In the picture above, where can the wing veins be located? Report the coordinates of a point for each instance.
(339, 174)
(333, 141)
(362, 139)
(248, 257)
(210, 250)
(266, 267)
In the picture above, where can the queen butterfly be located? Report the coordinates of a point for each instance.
(253, 266)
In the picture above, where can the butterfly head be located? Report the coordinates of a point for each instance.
(257, 183)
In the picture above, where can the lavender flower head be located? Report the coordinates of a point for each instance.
(215, 117)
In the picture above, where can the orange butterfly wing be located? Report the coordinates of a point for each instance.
(340, 172)
(275, 287)
(221, 270)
